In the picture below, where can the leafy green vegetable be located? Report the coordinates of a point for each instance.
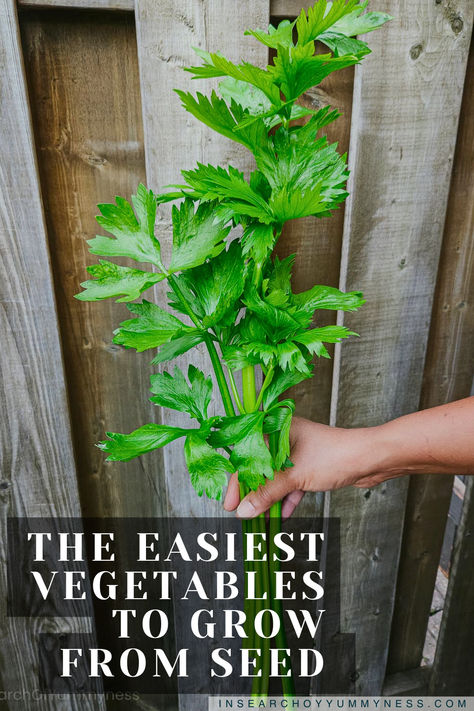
(178, 345)
(111, 280)
(230, 430)
(251, 457)
(216, 287)
(282, 381)
(197, 236)
(297, 71)
(320, 17)
(216, 65)
(281, 36)
(328, 297)
(210, 183)
(123, 447)
(356, 23)
(133, 231)
(207, 468)
(154, 327)
(231, 296)
(174, 392)
(258, 240)
(224, 119)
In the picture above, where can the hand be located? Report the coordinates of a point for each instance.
(324, 458)
(434, 441)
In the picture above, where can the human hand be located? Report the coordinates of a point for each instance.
(324, 458)
(433, 441)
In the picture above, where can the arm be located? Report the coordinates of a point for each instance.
(435, 441)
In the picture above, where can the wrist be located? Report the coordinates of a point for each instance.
(393, 451)
(376, 454)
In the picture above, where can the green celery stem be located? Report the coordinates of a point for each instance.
(248, 388)
(216, 363)
(220, 376)
(274, 565)
(258, 525)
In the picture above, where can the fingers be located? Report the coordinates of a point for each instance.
(290, 502)
(259, 501)
(232, 496)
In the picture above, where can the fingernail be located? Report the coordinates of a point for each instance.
(245, 509)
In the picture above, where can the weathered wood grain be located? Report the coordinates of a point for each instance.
(317, 242)
(38, 470)
(289, 8)
(80, 4)
(452, 668)
(448, 376)
(175, 140)
(406, 104)
(83, 78)
(278, 7)
(84, 86)
(317, 246)
(413, 682)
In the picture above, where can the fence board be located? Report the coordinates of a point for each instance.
(80, 4)
(91, 149)
(38, 471)
(452, 668)
(448, 376)
(402, 142)
(278, 7)
(174, 141)
(317, 244)
(289, 8)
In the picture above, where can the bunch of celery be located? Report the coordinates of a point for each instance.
(226, 290)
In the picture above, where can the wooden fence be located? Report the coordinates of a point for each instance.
(87, 111)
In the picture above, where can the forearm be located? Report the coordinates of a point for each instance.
(439, 440)
(435, 441)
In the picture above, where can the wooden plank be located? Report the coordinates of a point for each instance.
(38, 470)
(175, 141)
(413, 682)
(127, 5)
(448, 376)
(92, 149)
(402, 144)
(289, 8)
(452, 668)
(277, 7)
(317, 244)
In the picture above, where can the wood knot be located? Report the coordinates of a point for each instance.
(457, 24)
(416, 50)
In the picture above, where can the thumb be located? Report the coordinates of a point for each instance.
(259, 501)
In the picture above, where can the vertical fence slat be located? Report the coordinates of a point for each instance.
(448, 376)
(175, 140)
(317, 242)
(317, 245)
(38, 470)
(452, 668)
(91, 149)
(406, 104)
